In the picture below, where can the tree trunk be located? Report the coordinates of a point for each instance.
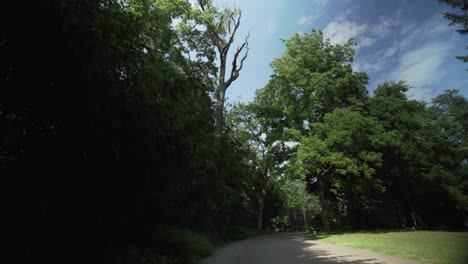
(220, 97)
(260, 214)
(413, 218)
(325, 206)
(228, 22)
(306, 226)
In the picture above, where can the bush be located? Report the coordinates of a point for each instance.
(191, 244)
(162, 245)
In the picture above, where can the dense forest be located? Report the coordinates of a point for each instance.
(115, 137)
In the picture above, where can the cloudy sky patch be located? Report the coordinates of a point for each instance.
(396, 40)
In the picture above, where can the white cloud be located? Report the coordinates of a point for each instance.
(318, 6)
(424, 49)
(365, 35)
(384, 27)
(389, 52)
(375, 62)
(407, 28)
(368, 65)
(367, 41)
(420, 67)
(303, 20)
(418, 49)
(339, 32)
(429, 30)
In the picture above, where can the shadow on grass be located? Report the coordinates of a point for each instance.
(318, 256)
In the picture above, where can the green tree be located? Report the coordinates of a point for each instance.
(449, 172)
(107, 129)
(404, 160)
(265, 153)
(422, 158)
(313, 77)
(301, 207)
(339, 156)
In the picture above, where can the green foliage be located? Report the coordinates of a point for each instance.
(422, 158)
(340, 157)
(313, 77)
(107, 131)
(264, 153)
(196, 246)
(169, 245)
(342, 143)
(380, 161)
(107, 128)
(458, 19)
(455, 18)
(298, 197)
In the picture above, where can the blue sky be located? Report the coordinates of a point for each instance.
(397, 40)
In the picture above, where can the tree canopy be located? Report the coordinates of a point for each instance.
(114, 133)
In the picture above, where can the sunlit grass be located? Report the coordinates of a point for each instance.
(429, 246)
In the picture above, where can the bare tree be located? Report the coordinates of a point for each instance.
(223, 28)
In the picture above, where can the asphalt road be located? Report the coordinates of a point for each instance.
(292, 248)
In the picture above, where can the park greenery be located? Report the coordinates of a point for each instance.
(427, 246)
(116, 145)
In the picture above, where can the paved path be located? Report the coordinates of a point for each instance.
(292, 248)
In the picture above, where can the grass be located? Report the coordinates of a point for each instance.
(429, 246)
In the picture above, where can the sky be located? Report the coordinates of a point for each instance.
(396, 40)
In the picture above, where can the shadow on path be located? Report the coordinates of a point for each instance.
(292, 248)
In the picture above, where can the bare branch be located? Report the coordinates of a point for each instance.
(235, 69)
(246, 53)
(236, 26)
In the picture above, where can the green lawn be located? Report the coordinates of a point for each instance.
(430, 246)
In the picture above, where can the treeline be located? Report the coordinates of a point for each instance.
(381, 161)
(110, 149)
(107, 134)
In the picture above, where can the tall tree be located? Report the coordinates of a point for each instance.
(265, 152)
(311, 79)
(220, 29)
(403, 160)
(339, 157)
(422, 157)
(94, 117)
